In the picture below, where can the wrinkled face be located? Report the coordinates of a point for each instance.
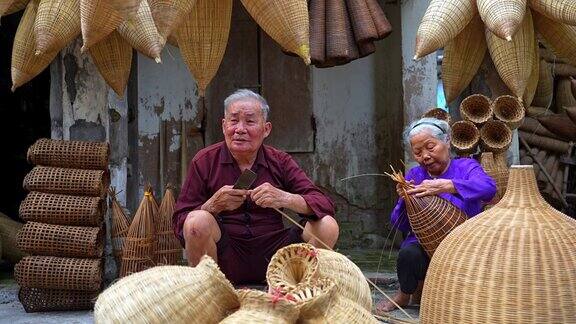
(430, 153)
(244, 127)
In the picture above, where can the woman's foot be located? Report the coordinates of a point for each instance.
(400, 298)
(417, 295)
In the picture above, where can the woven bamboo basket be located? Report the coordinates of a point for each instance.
(513, 59)
(113, 58)
(317, 17)
(285, 21)
(362, 22)
(545, 88)
(8, 7)
(532, 84)
(532, 125)
(563, 11)
(168, 249)
(559, 37)
(442, 21)
(69, 154)
(128, 9)
(438, 113)
(57, 24)
(50, 272)
(170, 294)
(535, 112)
(120, 225)
(169, 14)
(564, 70)
(25, 64)
(67, 181)
(259, 307)
(462, 58)
(549, 56)
(571, 112)
(476, 108)
(9, 237)
(511, 264)
(560, 125)
(502, 18)
(60, 240)
(292, 266)
(339, 44)
(139, 244)
(546, 143)
(97, 20)
(140, 31)
(496, 167)
(495, 136)
(62, 209)
(564, 96)
(349, 279)
(383, 26)
(49, 300)
(509, 110)
(365, 49)
(465, 137)
(202, 39)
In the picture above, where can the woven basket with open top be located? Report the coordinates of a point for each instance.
(465, 137)
(291, 266)
(509, 110)
(67, 181)
(59, 273)
(517, 259)
(476, 108)
(48, 300)
(259, 307)
(62, 209)
(495, 136)
(69, 154)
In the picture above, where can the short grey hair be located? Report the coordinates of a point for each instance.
(243, 94)
(438, 128)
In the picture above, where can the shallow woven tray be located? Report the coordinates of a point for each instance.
(67, 181)
(69, 154)
(48, 300)
(60, 240)
(291, 266)
(62, 209)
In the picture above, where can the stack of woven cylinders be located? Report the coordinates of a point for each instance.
(64, 233)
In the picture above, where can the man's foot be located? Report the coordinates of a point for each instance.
(399, 298)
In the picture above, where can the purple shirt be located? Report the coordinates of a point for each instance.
(214, 167)
(472, 184)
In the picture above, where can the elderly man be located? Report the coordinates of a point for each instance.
(240, 228)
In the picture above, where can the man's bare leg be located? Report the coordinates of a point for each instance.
(326, 229)
(417, 295)
(201, 233)
(399, 298)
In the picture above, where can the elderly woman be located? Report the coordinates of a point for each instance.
(462, 181)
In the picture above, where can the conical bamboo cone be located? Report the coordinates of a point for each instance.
(113, 58)
(168, 249)
(559, 37)
(564, 96)
(502, 18)
(57, 24)
(338, 42)
(464, 137)
(317, 31)
(128, 9)
(545, 88)
(509, 110)
(202, 39)
(140, 31)
(530, 91)
(25, 64)
(97, 20)
(514, 59)
(285, 21)
(462, 58)
(562, 11)
(11, 6)
(571, 112)
(169, 14)
(442, 21)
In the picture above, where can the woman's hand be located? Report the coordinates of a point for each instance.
(432, 187)
(399, 188)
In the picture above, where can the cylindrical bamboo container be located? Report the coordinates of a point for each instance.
(69, 154)
(50, 272)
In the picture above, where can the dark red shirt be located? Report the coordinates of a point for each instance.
(214, 167)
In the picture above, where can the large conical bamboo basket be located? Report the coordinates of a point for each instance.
(113, 58)
(97, 20)
(513, 59)
(563, 11)
(292, 266)
(203, 37)
(476, 108)
(140, 31)
(169, 14)
(442, 21)
(25, 64)
(545, 88)
(559, 37)
(120, 226)
(9, 237)
(462, 58)
(495, 166)
(168, 249)
(13, 6)
(285, 21)
(57, 24)
(509, 110)
(168, 294)
(564, 96)
(509, 258)
(560, 125)
(546, 143)
(533, 79)
(259, 307)
(502, 18)
(128, 9)
(465, 137)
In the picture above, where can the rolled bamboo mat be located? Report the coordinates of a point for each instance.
(57, 24)
(532, 125)
(560, 125)
(51, 272)
(292, 266)
(67, 181)
(564, 96)
(476, 108)
(571, 112)
(559, 37)
(495, 136)
(9, 237)
(261, 307)
(169, 14)
(69, 154)
(502, 18)
(97, 20)
(509, 110)
(545, 88)
(383, 26)
(49, 300)
(62, 209)
(140, 31)
(113, 58)
(317, 12)
(546, 143)
(465, 137)
(563, 11)
(362, 22)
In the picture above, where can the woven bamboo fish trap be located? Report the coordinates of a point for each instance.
(113, 58)
(462, 58)
(546, 143)
(496, 167)
(25, 64)
(57, 24)
(383, 26)
(203, 37)
(284, 21)
(67, 181)
(97, 20)
(62, 209)
(563, 11)
(476, 108)
(51, 272)
(537, 111)
(516, 255)
(533, 79)
(140, 31)
(9, 237)
(442, 21)
(465, 137)
(292, 266)
(120, 225)
(139, 244)
(502, 18)
(495, 136)
(169, 14)
(564, 96)
(259, 307)
(317, 17)
(564, 70)
(545, 88)
(128, 9)
(168, 294)
(49, 300)
(513, 59)
(362, 22)
(366, 49)
(438, 113)
(531, 125)
(341, 47)
(69, 154)
(11, 6)
(571, 112)
(559, 37)
(168, 249)
(509, 110)
(560, 125)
